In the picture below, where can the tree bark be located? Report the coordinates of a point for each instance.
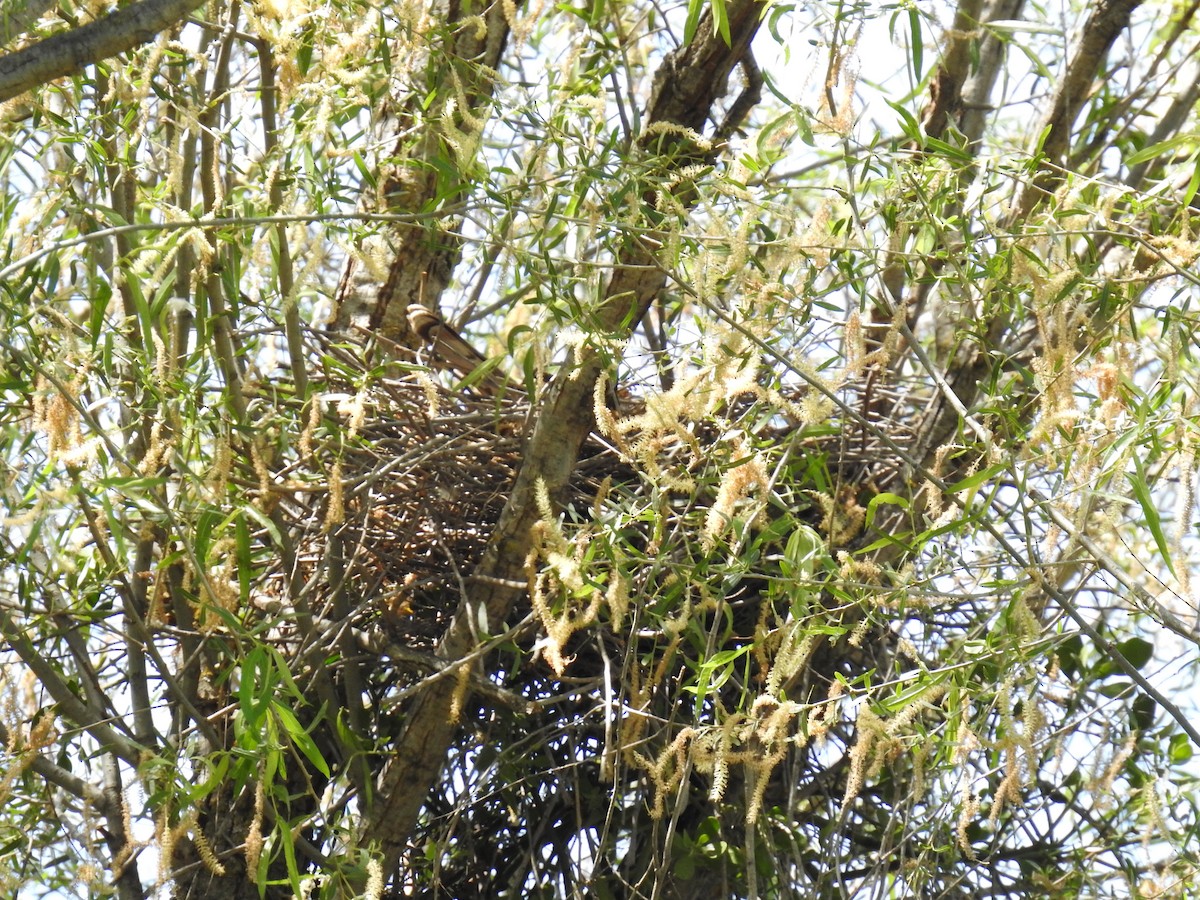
(421, 257)
(1107, 20)
(70, 52)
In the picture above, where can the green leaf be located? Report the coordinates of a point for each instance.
(1193, 184)
(204, 528)
(724, 657)
(721, 21)
(804, 548)
(1162, 147)
(301, 738)
(1137, 650)
(1141, 713)
(695, 7)
(368, 175)
(289, 853)
(974, 481)
(918, 43)
(256, 686)
(885, 497)
(1180, 749)
(907, 696)
(1141, 490)
(705, 680)
(908, 124)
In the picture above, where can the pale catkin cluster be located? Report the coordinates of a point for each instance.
(432, 396)
(631, 730)
(756, 741)
(462, 680)
(1015, 743)
(749, 473)
(261, 470)
(880, 741)
(1152, 810)
(166, 838)
(836, 113)
(699, 141)
(827, 713)
(157, 450)
(562, 597)
(188, 824)
(86, 875)
(1058, 321)
(355, 410)
(56, 415)
(1009, 788)
(254, 838)
(968, 810)
(311, 424)
(335, 510)
(217, 480)
(314, 253)
(843, 517)
(42, 733)
(126, 853)
(796, 642)
(1107, 376)
(859, 569)
(220, 584)
(728, 369)
(667, 771)
(855, 346)
(374, 888)
(1102, 784)
(818, 242)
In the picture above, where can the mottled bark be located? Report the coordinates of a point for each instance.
(420, 258)
(1107, 19)
(946, 86)
(70, 52)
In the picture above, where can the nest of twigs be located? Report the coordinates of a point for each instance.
(426, 468)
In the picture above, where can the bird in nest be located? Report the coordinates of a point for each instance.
(447, 349)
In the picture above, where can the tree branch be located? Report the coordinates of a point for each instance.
(70, 52)
(1107, 20)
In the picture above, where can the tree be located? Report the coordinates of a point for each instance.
(818, 522)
